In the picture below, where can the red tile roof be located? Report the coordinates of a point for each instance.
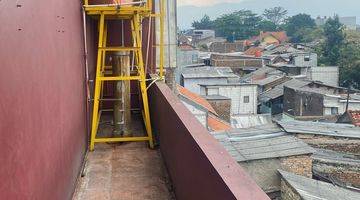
(216, 124)
(253, 51)
(196, 98)
(355, 117)
(281, 36)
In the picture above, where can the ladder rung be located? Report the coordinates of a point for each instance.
(119, 48)
(119, 78)
(123, 139)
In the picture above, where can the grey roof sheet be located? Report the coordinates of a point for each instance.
(208, 72)
(267, 80)
(246, 121)
(310, 189)
(261, 143)
(278, 90)
(321, 128)
(335, 157)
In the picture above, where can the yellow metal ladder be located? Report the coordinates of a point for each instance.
(135, 14)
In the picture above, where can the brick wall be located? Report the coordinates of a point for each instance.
(300, 165)
(287, 192)
(344, 145)
(222, 107)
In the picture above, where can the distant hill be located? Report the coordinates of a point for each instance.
(187, 14)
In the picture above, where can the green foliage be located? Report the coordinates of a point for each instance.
(334, 41)
(266, 25)
(238, 25)
(204, 23)
(275, 15)
(298, 26)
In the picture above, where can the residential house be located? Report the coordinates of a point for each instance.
(227, 47)
(303, 59)
(350, 117)
(270, 82)
(271, 37)
(299, 187)
(243, 96)
(202, 110)
(272, 100)
(262, 150)
(239, 63)
(317, 99)
(191, 78)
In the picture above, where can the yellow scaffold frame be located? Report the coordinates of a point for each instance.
(135, 13)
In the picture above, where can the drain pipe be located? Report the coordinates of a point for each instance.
(87, 78)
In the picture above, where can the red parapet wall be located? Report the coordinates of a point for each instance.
(198, 165)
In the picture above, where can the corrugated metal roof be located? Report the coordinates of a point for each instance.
(267, 80)
(321, 128)
(208, 72)
(246, 121)
(261, 143)
(278, 90)
(310, 189)
(335, 157)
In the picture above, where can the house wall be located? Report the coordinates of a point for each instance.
(226, 47)
(265, 173)
(340, 105)
(42, 104)
(222, 108)
(237, 94)
(288, 192)
(193, 84)
(299, 103)
(327, 75)
(299, 60)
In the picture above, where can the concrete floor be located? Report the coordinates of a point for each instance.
(127, 171)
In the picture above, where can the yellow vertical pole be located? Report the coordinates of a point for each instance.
(103, 58)
(86, 2)
(162, 56)
(97, 84)
(146, 114)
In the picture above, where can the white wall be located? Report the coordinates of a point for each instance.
(237, 93)
(327, 75)
(334, 102)
(193, 84)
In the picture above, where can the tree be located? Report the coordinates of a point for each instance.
(204, 23)
(238, 25)
(276, 15)
(334, 41)
(296, 24)
(266, 25)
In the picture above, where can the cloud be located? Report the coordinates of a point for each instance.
(202, 3)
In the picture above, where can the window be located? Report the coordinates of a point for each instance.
(334, 111)
(246, 99)
(307, 58)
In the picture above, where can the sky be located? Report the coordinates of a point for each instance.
(190, 10)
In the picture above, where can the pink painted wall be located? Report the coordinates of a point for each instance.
(42, 103)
